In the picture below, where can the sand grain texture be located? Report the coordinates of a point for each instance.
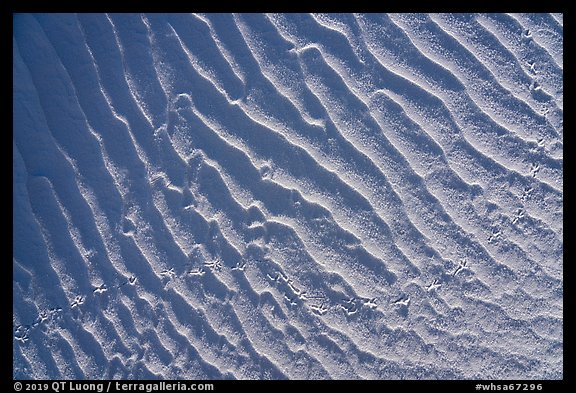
(301, 196)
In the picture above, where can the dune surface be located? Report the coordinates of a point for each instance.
(288, 196)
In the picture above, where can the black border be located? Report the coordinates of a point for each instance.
(334, 6)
